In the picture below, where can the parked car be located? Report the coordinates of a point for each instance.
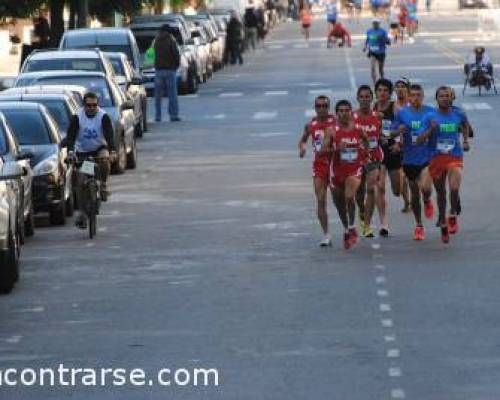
(145, 29)
(106, 39)
(201, 48)
(12, 153)
(10, 236)
(38, 135)
(111, 99)
(132, 86)
(73, 91)
(217, 43)
(72, 60)
(472, 4)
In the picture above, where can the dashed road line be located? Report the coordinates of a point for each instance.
(385, 307)
(270, 134)
(231, 94)
(387, 323)
(380, 280)
(382, 293)
(398, 394)
(265, 115)
(389, 338)
(393, 353)
(309, 113)
(476, 106)
(325, 91)
(276, 93)
(394, 372)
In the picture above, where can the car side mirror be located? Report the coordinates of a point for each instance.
(25, 156)
(11, 170)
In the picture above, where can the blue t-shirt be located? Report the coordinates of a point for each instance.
(446, 138)
(331, 12)
(412, 11)
(376, 40)
(412, 119)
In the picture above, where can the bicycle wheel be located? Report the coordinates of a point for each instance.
(92, 211)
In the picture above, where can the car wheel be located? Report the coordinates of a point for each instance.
(145, 117)
(121, 162)
(29, 224)
(57, 214)
(138, 130)
(193, 82)
(70, 205)
(132, 156)
(9, 265)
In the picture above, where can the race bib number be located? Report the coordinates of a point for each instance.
(374, 48)
(318, 140)
(386, 127)
(372, 143)
(349, 155)
(445, 146)
(88, 168)
(414, 138)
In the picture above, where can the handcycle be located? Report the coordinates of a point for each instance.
(475, 76)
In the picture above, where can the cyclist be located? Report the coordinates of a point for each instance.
(90, 133)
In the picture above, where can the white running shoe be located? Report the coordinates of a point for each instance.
(327, 241)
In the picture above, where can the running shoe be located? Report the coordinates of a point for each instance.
(445, 235)
(428, 209)
(368, 232)
(384, 232)
(419, 233)
(327, 241)
(353, 236)
(453, 224)
(347, 240)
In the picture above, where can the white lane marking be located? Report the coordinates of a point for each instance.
(350, 70)
(275, 46)
(216, 116)
(387, 323)
(395, 372)
(260, 115)
(37, 309)
(231, 94)
(325, 91)
(382, 293)
(102, 229)
(380, 267)
(376, 246)
(13, 339)
(393, 353)
(309, 113)
(476, 106)
(301, 46)
(380, 279)
(191, 96)
(385, 307)
(456, 40)
(313, 84)
(398, 394)
(431, 41)
(276, 93)
(90, 245)
(270, 134)
(390, 338)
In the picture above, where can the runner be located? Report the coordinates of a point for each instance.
(394, 22)
(416, 156)
(392, 158)
(443, 128)
(403, 14)
(402, 89)
(346, 168)
(306, 20)
(369, 122)
(412, 20)
(376, 41)
(331, 17)
(316, 130)
(339, 32)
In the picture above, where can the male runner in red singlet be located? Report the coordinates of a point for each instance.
(316, 130)
(369, 122)
(346, 167)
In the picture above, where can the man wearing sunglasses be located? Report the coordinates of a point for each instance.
(91, 134)
(316, 129)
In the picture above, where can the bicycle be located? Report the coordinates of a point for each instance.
(87, 170)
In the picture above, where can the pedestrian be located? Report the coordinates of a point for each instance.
(234, 38)
(251, 25)
(41, 31)
(306, 20)
(167, 61)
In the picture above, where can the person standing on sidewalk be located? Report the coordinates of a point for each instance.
(167, 61)
(234, 33)
(251, 25)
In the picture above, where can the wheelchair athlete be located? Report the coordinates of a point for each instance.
(478, 68)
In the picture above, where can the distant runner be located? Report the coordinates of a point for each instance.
(376, 42)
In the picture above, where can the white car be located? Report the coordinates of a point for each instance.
(200, 46)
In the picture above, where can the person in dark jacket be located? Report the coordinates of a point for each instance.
(251, 25)
(233, 39)
(41, 31)
(167, 61)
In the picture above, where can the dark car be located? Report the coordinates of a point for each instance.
(132, 86)
(472, 4)
(38, 135)
(111, 100)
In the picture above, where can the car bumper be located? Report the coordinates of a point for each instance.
(46, 193)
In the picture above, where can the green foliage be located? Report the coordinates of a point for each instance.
(19, 8)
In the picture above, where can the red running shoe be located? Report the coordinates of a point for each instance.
(445, 235)
(419, 233)
(429, 209)
(453, 224)
(347, 240)
(353, 236)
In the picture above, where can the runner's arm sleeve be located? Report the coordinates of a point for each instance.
(107, 130)
(72, 134)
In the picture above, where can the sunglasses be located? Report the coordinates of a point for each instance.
(324, 106)
(91, 105)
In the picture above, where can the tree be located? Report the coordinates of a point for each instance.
(19, 8)
(56, 8)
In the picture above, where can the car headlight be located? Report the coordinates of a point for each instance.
(47, 166)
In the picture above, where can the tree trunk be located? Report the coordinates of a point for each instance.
(56, 8)
(158, 6)
(83, 13)
(73, 6)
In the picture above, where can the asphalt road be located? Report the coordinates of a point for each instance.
(207, 254)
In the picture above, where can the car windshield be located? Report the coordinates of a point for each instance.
(117, 66)
(28, 126)
(97, 85)
(59, 111)
(63, 64)
(3, 142)
(112, 48)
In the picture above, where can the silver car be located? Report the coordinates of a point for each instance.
(111, 99)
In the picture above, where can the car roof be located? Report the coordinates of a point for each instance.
(65, 54)
(45, 89)
(20, 105)
(33, 96)
(61, 74)
(98, 35)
